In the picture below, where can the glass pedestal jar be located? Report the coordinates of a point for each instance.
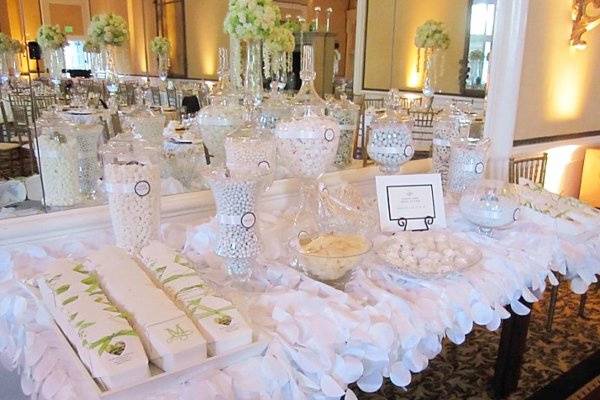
(132, 184)
(251, 152)
(468, 158)
(183, 160)
(147, 125)
(237, 239)
(59, 169)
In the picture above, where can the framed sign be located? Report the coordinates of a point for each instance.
(410, 202)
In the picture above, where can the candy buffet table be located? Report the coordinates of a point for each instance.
(321, 339)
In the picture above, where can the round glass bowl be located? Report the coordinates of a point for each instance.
(488, 207)
(329, 257)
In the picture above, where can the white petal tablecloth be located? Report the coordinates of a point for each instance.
(385, 325)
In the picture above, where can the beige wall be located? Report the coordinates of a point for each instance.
(204, 35)
(391, 56)
(560, 85)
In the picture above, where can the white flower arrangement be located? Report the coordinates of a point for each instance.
(251, 19)
(432, 35)
(51, 37)
(277, 50)
(108, 30)
(476, 55)
(91, 46)
(160, 46)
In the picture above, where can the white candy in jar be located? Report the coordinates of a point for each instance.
(213, 133)
(88, 137)
(251, 155)
(59, 170)
(390, 145)
(133, 191)
(183, 160)
(307, 146)
(148, 127)
(467, 163)
(445, 129)
(347, 120)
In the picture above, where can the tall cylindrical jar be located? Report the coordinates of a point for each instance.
(251, 152)
(59, 168)
(447, 127)
(468, 159)
(132, 184)
(390, 142)
(237, 238)
(88, 138)
(346, 114)
(147, 125)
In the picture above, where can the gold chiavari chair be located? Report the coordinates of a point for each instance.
(42, 103)
(10, 152)
(422, 130)
(408, 103)
(22, 131)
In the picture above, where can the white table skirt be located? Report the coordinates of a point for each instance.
(322, 339)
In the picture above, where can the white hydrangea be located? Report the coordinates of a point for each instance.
(432, 35)
(251, 19)
(108, 29)
(51, 37)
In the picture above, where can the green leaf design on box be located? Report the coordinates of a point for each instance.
(221, 317)
(178, 276)
(73, 316)
(61, 289)
(181, 260)
(81, 269)
(160, 271)
(69, 300)
(187, 289)
(51, 280)
(178, 333)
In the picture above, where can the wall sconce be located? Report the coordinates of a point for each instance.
(582, 21)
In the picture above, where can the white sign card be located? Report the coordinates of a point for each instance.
(410, 202)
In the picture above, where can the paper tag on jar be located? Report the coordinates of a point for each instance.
(410, 202)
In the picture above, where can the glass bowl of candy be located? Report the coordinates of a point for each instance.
(489, 207)
(329, 257)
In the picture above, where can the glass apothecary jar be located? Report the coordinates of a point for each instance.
(89, 139)
(183, 160)
(274, 109)
(390, 142)
(346, 113)
(237, 239)
(132, 184)
(215, 121)
(468, 159)
(307, 143)
(59, 167)
(251, 152)
(447, 126)
(146, 124)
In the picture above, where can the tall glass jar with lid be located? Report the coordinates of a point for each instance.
(307, 143)
(447, 126)
(390, 142)
(346, 113)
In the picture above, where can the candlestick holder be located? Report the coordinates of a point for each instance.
(329, 11)
(316, 20)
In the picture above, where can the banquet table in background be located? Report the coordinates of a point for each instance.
(322, 339)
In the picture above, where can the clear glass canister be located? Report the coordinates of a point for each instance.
(390, 142)
(89, 138)
(346, 113)
(59, 167)
(183, 160)
(275, 108)
(132, 184)
(447, 126)
(307, 142)
(468, 159)
(215, 121)
(251, 152)
(237, 238)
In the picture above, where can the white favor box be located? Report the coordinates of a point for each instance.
(217, 319)
(104, 340)
(170, 338)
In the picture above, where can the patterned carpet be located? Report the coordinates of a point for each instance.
(463, 372)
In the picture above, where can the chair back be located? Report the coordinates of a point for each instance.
(155, 95)
(532, 168)
(374, 103)
(422, 132)
(172, 97)
(43, 102)
(408, 103)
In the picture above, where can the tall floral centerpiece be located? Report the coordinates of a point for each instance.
(109, 31)
(252, 21)
(431, 37)
(277, 55)
(160, 46)
(476, 60)
(52, 40)
(16, 48)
